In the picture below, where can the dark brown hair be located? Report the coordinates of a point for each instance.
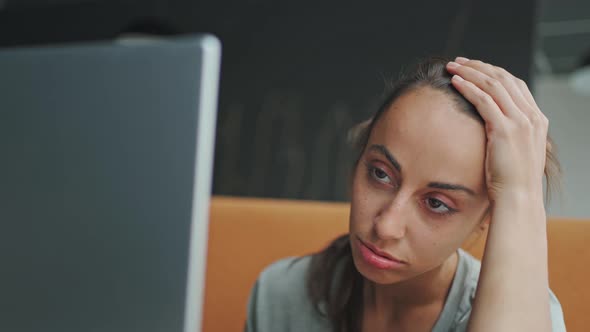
(339, 300)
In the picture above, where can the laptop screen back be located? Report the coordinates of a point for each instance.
(105, 173)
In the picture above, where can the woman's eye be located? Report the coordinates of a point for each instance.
(380, 175)
(437, 206)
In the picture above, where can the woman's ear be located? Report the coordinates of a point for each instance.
(480, 230)
(485, 222)
(482, 227)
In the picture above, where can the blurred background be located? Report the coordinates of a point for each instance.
(297, 75)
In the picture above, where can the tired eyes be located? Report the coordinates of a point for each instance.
(381, 175)
(433, 205)
(438, 207)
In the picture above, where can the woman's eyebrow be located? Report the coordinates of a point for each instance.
(448, 186)
(383, 150)
(379, 148)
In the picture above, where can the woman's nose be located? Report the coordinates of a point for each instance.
(391, 221)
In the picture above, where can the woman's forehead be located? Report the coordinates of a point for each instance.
(429, 135)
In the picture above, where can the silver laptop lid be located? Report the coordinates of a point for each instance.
(107, 153)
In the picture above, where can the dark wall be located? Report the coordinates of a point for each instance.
(296, 77)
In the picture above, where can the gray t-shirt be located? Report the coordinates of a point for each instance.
(279, 300)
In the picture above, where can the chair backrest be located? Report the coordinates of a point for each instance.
(248, 234)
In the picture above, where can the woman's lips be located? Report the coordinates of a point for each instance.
(378, 258)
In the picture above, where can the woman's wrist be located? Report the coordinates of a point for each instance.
(518, 196)
(520, 204)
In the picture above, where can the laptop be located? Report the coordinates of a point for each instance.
(105, 177)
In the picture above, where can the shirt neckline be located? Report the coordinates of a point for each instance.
(447, 316)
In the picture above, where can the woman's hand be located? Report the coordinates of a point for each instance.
(516, 128)
(512, 292)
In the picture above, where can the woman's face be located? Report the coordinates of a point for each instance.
(418, 190)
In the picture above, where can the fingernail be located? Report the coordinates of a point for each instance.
(461, 59)
(453, 65)
(458, 78)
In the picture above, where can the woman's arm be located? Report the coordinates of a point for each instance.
(512, 293)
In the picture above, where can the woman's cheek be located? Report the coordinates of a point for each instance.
(362, 213)
(360, 220)
(436, 244)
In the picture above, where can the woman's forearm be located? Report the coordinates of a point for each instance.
(512, 293)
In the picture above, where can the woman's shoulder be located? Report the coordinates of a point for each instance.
(286, 277)
(279, 300)
(290, 267)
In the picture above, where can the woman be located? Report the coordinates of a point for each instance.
(455, 147)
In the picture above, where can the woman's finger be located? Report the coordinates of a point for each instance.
(500, 74)
(511, 83)
(528, 95)
(484, 103)
(487, 84)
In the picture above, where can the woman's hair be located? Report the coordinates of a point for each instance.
(340, 300)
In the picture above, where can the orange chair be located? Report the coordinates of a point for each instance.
(245, 235)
